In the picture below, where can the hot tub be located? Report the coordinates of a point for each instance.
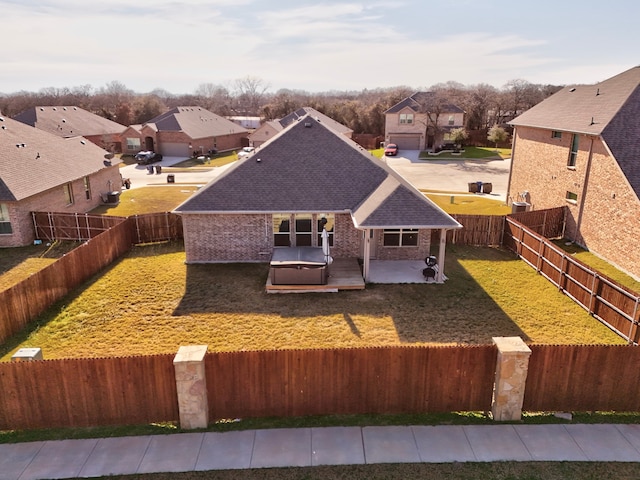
(298, 266)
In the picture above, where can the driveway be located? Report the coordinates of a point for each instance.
(452, 175)
(140, 176)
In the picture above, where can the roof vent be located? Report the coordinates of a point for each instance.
(307, 125)
(597, 92)
(4, 127)
(83, 142)
(572, 89)
(41, 109)
(258, 160)
(64, 108)
(75, 108)
(1, 119)
(55, 108)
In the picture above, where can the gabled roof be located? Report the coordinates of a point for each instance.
(68, 121)
(610, 109)
(301, 112)
(32, 160)
(419, 100)
(195, 122)
(308, 167)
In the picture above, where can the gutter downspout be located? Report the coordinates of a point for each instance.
(513, 151)
(584, 190)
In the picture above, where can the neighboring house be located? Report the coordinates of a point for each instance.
(271, 128)
(247, 122)
(280, 195)
(70, 121)
(183, 132)
(41, 172)
(421, 121)
(581, 148)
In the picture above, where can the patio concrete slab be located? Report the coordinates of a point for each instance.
(603, 443)
(443, 444)
(226, 451)
(15, 457)
(337, 446)
(396, 271)
(59, 459)
(492, 443)
(171, 453)
(390, 445)
(115, 456)
(550, 443)
(282, 447)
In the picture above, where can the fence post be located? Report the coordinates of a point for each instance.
(191, 385)
(511, 376)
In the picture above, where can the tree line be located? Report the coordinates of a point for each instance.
(362, 111)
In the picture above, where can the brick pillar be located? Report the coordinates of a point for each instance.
(191, 385)
(511, 375)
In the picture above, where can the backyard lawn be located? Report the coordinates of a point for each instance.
(488, 153)
(151, 302)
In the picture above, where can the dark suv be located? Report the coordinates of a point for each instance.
(147, 157)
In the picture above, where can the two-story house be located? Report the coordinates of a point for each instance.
(421, 121)
(581, 148)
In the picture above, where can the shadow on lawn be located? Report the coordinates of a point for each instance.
(459, 311)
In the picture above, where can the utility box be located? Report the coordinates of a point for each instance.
(27, 355)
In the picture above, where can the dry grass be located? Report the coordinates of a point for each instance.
(151, 302)
(465, 204)
(147, 200)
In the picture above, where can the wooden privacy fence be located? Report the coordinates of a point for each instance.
(613, 304)
(156, 227)
(26, 300)
(87, 392)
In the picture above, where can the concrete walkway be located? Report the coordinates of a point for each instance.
(304, 447)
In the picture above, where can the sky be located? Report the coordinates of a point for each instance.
(313, 46)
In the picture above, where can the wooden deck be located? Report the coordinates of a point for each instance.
(344, 274)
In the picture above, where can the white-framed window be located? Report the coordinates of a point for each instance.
(406, 118)
(400, 237)
(572, 197)
(304, 231)
(573, 154)
(133, 144)
(5, 222)
(451, 120)
(328, 221)
(87, 188)
(281, 229)
(67, 189)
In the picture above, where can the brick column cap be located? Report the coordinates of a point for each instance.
(190, 353)
(511, 345)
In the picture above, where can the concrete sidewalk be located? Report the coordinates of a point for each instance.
(304, 447)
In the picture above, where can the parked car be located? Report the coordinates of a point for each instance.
(245, 152)
(391, 149)
(146, 157)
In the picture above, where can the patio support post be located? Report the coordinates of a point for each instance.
(366, 254)
(441, 255)
(191, 386)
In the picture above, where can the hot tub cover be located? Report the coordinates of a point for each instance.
(305, 256)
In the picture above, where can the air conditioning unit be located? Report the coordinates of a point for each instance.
(517, 207)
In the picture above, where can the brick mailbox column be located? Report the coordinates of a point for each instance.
(511, 375)
(191, 385)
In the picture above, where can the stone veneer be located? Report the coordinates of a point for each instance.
(191, 386)
(511, 376)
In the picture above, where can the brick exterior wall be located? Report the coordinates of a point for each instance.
(216, 238)
(392, 125)
(221, 142)
(609, 226)
(54, 200)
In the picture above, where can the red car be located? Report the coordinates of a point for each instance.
(391, 149)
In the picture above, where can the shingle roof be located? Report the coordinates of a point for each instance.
(32, 160)
(301, 112)
(419, 100)
(68, 121)
(310, 168)
(610, 109)
(195, 122)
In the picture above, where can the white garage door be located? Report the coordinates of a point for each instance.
(406, 143)
(174, 150)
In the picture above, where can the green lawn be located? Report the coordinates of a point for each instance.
(487, 153)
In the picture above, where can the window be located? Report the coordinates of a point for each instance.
(303, 229)
(400, 237)
(451, 121)
(406, 118)
(87, 188)
(5, 223)
(328, 221)
(572, 197)
(573, 154)
(556, 134)
(133, 144)
(68, 193)
(281, 229)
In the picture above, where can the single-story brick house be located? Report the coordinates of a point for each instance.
(70, 121)
(421, 121)
(271, 128)
(581, 148)
(42, 172)
(183, 131)
(307, 176)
